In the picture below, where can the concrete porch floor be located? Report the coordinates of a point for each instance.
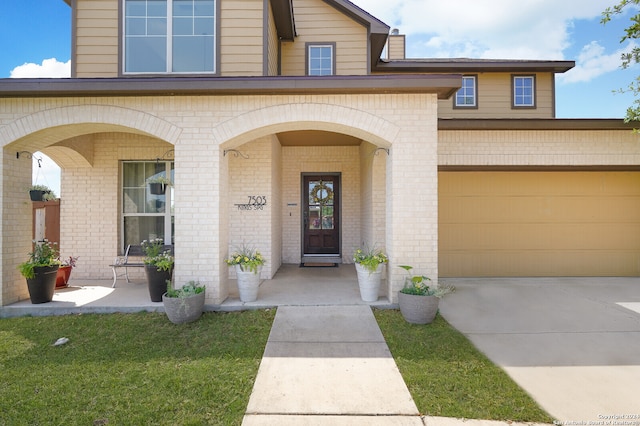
(291, 286)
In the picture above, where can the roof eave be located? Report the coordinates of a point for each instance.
(442, 85)
(284, 19)
(484, 124)
(472, 66)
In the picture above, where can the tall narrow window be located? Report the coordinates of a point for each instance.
(169, 36)
(524, 91)
(145, 215)
(321, 59)
(466, 96)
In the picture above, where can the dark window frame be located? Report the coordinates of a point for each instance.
(307, 57)
(534, 89)
(475, 94)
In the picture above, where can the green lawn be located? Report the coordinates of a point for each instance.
(447, 376)
(140, 369)
(130, 369)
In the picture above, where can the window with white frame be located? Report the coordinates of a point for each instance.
(320, 59)
(466, 96)
(524, 91)
(146, 216)
(169, 36)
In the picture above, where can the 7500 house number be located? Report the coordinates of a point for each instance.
(255, 202)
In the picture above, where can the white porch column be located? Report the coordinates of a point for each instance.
(15, 231)
(201, 216)
(412, 193)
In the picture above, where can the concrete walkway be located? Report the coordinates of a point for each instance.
(328, 365)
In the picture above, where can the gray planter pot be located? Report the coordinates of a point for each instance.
(183, 310)
(418, 309)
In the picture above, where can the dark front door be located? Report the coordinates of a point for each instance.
(321, 218)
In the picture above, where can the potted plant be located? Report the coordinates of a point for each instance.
(41, 193)
(248, 263)
(158, 184)
(40, 271)
(158, 267)
(369, 263)
(64, 272)
(418, 302)
(184, 304)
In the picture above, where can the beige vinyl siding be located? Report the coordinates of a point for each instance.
(534, 223)
(317, 22)
(96, 47)
(241, 34)
(272, 40)
(495, 98)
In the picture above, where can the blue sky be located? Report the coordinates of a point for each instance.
(35, 41)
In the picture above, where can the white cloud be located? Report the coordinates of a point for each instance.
(498, 29)
(50, 68)
(592, 62)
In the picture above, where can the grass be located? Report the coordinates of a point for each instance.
(142, 369)
(130, 369)
(447, 376)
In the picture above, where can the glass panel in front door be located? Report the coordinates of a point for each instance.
(320, 209)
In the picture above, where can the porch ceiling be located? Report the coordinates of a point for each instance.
(316, 138)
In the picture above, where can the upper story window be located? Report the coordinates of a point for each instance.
(524, 89)
(467, 95)
(321, 59)
(169, 36)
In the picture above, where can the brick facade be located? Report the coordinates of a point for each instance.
(92, 136)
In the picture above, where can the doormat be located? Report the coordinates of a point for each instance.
(318, 265)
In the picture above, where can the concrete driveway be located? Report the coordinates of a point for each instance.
(572, 343)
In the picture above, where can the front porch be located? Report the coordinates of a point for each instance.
(291, 285)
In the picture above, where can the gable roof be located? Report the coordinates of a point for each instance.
(378, 31)
(284, 17)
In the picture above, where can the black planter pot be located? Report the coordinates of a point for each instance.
(36, 195)
(157, 188)
(157, 282)
(42, 286)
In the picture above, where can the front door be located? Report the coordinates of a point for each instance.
(321, 214)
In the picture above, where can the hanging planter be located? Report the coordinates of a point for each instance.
(158, 185)
(157, 188)
(41, 193)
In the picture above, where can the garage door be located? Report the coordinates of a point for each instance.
(524, 223)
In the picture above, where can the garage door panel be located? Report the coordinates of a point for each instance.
(542, 263)
(539, 223)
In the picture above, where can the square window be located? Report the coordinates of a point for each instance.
(523, 91)
(321, 60)
(466, 95)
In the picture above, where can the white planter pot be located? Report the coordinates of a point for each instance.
(248, 284)
(369, 282)
(418, 309)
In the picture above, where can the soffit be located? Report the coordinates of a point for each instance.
(284, 19)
